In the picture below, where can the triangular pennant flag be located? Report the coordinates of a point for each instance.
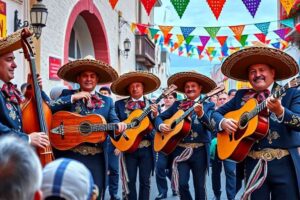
(284, 44)
(288, 22)
(252, 6)
(188, 47)
(204, 40)
(263, 27)
(189, 39)
(167, 39)
(113, 3)
(156, 38)
(186, 31)
(175, 47)
(237, 30)
(180, 39)
(165, 29)
(153, 32)
(224, 50)
(212, 31)
(222, 39)
(180, 6)
(143, 28)
(242, 39)
(148, 5)
(287, 5)
(261, 37)
(216, 6)
(200, 49)
(281, 32)
(276, 45)
(221, 58)
(209, 50)
(180, 52)
(213, 53)
(132, 27)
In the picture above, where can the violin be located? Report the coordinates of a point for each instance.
(36, 114)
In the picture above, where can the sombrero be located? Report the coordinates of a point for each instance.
(179, 79)
(13, 42)
(71, 70)
(149, 80)
(236, 65)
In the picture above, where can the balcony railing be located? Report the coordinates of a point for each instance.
(144, 51)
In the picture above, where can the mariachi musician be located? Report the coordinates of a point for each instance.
(136, 85)
(11, 97)
(279, 149)
(88, 72)
(196, 144)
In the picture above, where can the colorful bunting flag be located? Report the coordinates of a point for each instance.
(261, 37)
(216, 6)
(148, 5)
(224, 50)
(222, 39)
(287, 5)
(143, 28)
(153, 32)
(200, 49)
(167, 39)
(189, 39)
(165, 29)
(180, 39)
(284, 44)
(180, 6)
(113, 3)
(288, 22)
(252, 6)
(133, 27)
(212, 31)
(242, 39)
(281, 32)
(237, 30)
(186, 31)
(263, 27)
(204, 40)
(188, 47)
(276, 45)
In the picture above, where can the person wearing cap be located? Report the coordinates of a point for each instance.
(136, 85)
(10, 97)
(88, 72)
(67, 179)
(193, 150)
(278, 152)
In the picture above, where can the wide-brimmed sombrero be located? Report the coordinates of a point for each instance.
(149, 80)
(179, 79)
(236, 65)
(71, 70)
(13, 42)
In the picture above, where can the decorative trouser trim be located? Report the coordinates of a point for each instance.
(254, 181)
(186, 154)
(124, 177)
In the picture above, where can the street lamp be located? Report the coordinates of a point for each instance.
(38, 18)
(126, 45)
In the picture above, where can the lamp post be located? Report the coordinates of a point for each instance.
(126, 46)
(38, 18)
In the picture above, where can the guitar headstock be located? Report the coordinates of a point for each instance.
(216, 90)
(295, 82)
(169, 90)
(27, 43)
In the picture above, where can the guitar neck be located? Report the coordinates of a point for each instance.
(188, 111)
(263, 104)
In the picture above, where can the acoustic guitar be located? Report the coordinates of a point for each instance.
(252, 126)
(71, 129)
(180, 126)
(141, 126)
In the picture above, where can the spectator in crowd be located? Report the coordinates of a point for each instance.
(67, 179)
(20, 170)
(231, 94)
(105, 91)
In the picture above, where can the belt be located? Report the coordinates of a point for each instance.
(87, 150)
(144, 143)
(269, 154)
(191, 145)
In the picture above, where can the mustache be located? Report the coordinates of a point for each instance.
(259, 78)
(190, 91)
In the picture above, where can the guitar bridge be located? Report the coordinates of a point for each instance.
(59, 130)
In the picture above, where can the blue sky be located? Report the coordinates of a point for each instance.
(198, 13)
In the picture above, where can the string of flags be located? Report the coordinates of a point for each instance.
(206, 42)
(216, 6)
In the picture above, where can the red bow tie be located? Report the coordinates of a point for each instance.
(186, 104)
(94, 102)
(132, 105)
(11, 92)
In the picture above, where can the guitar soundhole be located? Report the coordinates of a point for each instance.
(244, 121)
(85, 128)
(135, 122)
(173, 125)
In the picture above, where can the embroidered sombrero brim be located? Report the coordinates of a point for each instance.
(179, 79)
(236, 65)
(13, 42)
(149, 80)
(71, 70)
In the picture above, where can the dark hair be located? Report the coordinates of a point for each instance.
(174, 94)
(231, 91)
(105, 89)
